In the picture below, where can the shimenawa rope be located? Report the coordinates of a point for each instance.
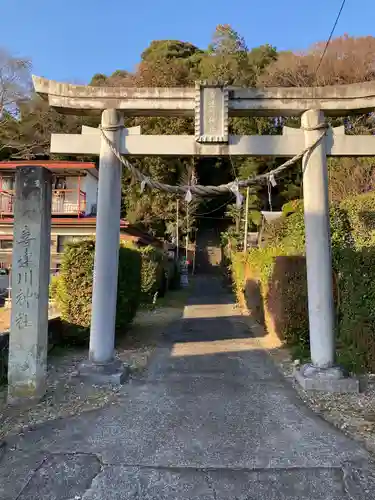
(199, 190)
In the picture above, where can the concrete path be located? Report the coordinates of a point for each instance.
(212, 419)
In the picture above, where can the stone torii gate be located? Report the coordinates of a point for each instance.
(211, 105)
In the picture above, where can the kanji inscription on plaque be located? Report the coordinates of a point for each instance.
(211, 113)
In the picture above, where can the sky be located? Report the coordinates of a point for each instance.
(71, 40)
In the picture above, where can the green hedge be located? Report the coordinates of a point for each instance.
(153, 273)
(279, 270)
(143, 272)
(129, 286)
(73, 289)
(356, 277)
(238, 271)
(174, 282)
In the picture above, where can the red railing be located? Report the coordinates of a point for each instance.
(64, 202)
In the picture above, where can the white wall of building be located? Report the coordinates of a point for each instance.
(57, 230)
(90, 186)
(73, 231)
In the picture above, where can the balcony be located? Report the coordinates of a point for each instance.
(64, 202)
(68, 202)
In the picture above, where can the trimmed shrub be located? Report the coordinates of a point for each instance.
(275, 291)
(280, 270)
(153, 273)
(284, 289)
(129, 286)
(238, 271)
(74, 284)
(356, 279)
(174, 276)
(291, 206)
(360, 212)
(73, 290)
(53, 287)
(277, 273)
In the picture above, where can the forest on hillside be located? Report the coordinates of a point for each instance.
(26, 121)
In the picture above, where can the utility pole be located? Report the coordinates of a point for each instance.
(195, 252)
(246, 219)
(177, 229)
(187, 231)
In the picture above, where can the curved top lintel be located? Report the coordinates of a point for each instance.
(335, 100)
(45, 87)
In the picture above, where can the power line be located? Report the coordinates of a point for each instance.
(215, 209)
(330, 37)
(216, 218)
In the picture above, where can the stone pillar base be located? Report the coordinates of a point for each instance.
(114, 372)
(333, 379)
(26, 395)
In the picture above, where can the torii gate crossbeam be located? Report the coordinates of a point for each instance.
(339, 100)
(289, 144)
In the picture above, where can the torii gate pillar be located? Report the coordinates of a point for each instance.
(101, 365)
(211, 105)
(321, 374)
(318, 245)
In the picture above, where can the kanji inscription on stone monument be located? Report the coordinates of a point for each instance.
(30, 277)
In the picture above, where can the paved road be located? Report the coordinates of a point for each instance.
(212, 419)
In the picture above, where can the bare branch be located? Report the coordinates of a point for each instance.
(347, 60)
(15, 82)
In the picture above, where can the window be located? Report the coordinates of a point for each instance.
(7, 183)
(60, 183)
(64, 239)
(6, 244)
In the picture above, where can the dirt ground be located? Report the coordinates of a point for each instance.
(4, 319)
(353, 414)
(66, 393)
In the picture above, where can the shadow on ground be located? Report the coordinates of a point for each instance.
(210, 418)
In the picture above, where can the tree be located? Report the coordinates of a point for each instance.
(227, 41)
(350, 176)
(228, 59)
(159, 50)
(29, 135)
(15, 83)
(347, 60)
(26, 121)
(98, 80)
(15, 88)
(168, 63)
